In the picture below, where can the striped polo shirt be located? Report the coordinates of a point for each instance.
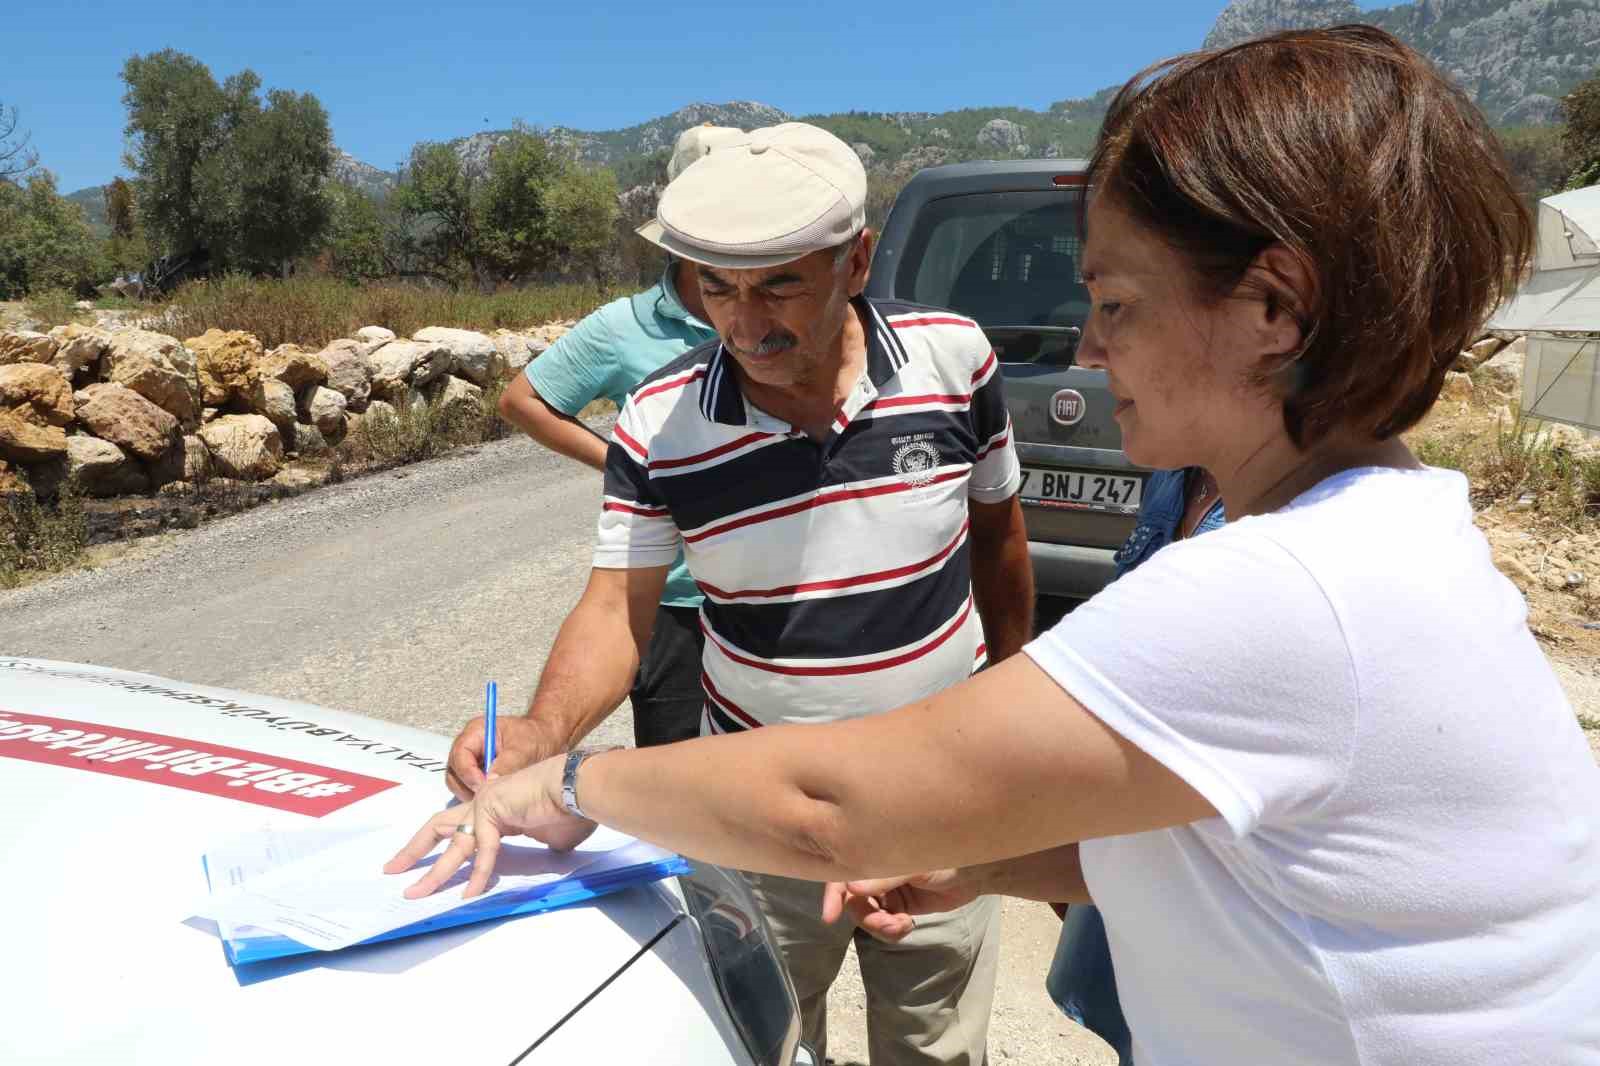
(836, 573)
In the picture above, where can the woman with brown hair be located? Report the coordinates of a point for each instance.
(1312, 766)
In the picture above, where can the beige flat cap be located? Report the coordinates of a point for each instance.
(775, 195)
(697, 141)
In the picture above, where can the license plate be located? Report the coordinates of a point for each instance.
(1081, 490)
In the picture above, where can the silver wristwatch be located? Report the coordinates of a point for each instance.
(569, 777)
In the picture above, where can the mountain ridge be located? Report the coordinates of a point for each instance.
(1514, 57)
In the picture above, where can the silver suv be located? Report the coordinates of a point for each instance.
(1000, 242)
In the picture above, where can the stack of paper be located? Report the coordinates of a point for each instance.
(276, 893)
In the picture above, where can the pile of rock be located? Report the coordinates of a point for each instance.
(1493, 362)
(126, 411)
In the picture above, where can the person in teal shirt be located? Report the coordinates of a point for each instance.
(605, 356)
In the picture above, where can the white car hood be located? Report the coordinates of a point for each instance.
(102, 868)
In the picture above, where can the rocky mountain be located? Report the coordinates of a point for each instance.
(1243, 19)
(1516, 57)
(364, 176)
(92, 202)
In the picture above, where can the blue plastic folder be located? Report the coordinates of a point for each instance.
(244, 946)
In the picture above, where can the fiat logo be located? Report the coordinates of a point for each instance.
(1068, 407)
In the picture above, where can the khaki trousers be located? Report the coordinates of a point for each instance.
(928, 997)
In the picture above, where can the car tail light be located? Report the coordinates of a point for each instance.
(1070, 179)
(746, 965)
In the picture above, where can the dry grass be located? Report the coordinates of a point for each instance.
(417, 434)
(312, 311)
(1520, 462)
(54, 307)
(36, 538)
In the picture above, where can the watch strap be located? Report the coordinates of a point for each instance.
(569, 777)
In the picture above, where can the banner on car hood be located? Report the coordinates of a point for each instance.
(198, 766)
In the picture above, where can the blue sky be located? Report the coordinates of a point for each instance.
(393, 72)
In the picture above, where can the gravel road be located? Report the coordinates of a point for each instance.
(397, 596)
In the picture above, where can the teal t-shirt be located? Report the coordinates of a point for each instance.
(607, 355)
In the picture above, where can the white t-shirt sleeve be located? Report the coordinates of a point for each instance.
(1223, 659)
(996, 473)
(636, 529)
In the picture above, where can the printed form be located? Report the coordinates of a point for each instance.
(327, 889)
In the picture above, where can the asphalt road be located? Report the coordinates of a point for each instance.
(397, 596)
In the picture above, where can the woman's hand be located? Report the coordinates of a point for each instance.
(526, 803)
(886, 908)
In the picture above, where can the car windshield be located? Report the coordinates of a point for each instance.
(1008, 259)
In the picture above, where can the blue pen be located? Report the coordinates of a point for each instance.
(491, 696)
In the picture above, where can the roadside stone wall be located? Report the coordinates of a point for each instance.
(125, 411)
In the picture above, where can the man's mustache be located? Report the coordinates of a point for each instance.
(780, 340)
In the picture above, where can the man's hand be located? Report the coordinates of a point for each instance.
(518, 742)
(886, 908)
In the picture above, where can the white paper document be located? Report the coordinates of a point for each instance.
(327, 889)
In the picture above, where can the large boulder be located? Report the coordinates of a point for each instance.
(27, 444)
(306, 440)
(128, 420)
(158, 368)
(379, 410)
(399, 364)
(97, 467)
(36, 393)
(273, 399)
(1478, 352)
(1457, 387)
(1504, 368)
(474, 355)
(196, 459)
(247, 447)
(325, 409)
(26, 346)
(1003, 135)
(374, 336)
(546, 335)
(228, 365)
(348, 373)
(294, 366)
(79, 350)
(455, 398)
(516, 349)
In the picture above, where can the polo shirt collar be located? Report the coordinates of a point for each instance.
(668, 305)
(721, 400)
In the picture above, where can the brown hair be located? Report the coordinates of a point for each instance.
(1352, 151)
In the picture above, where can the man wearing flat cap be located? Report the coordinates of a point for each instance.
(840, 475)
(605, 356)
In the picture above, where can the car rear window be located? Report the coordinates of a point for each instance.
(1008, 259)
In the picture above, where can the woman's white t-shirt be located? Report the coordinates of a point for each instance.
(1406, 869)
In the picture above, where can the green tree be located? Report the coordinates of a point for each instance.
(1580, 140)
(175, 119)
(439, 219)
(358, 244)
(581, 213)
(1536, 159)
(126, 248)
(218, 170)
(533, 210)
(517, 223)
(262, 198)
(45, 242)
